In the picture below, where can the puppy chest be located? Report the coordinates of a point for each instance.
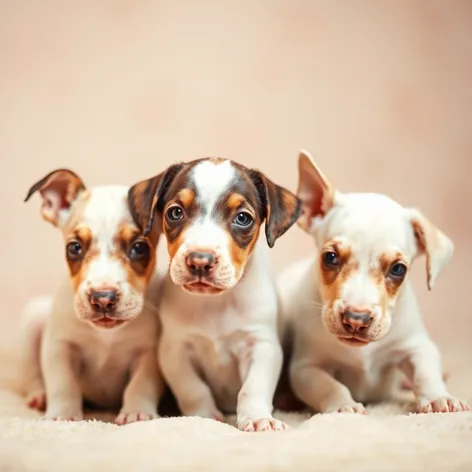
(358, 371)
(217, 360)
(104, 374)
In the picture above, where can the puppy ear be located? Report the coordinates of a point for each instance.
(314, 190)
(281, 207)
(146, 197)
(430, 241)
(59, 190)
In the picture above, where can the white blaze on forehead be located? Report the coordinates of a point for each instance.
(105, 212)
(211, 180)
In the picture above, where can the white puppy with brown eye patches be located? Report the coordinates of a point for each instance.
(219, 350)
(95, 341)
(351, 309)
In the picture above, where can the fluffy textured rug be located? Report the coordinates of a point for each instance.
(389, 438)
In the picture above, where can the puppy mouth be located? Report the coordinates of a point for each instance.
(353, 340)
(202, 287)
(107, 322)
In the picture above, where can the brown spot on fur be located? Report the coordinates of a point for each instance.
(381, 277)
(332, 278)
(186, 197)
(82, 235)
(139, 271)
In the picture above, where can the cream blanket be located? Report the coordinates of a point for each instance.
(388, 439)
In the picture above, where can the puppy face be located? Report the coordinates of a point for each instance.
(110, 262)
(367, 243)
(211, 212)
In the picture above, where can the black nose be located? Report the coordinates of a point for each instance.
(356, 321)
(200, 263)
(103, 301)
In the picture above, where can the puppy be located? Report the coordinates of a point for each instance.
(219, 350)
(352, 308)
(97, 337)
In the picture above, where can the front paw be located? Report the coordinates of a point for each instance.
(261, 424)
(358, 408)
(64, 416)
(126, 417)
(441, 405)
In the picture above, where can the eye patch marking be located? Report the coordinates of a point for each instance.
(333, 277)
(381, 274)
(81, 236)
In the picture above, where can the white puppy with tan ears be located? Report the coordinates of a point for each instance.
(220, 350)
(96, 339)
(351, 308)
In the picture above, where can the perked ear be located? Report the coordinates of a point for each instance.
(430, 241)
(314, 190)
(145, 197)
(282, 207)
(59, 190)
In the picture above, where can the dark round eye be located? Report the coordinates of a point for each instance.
(330, 259)
(243, 219)
(175, 213)
(74, 250)
(397, 270)
(139, 250)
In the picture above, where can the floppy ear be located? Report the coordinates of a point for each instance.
(59, 190)
(430, 241)
(314, 190)
(146, 197)
(281, 207)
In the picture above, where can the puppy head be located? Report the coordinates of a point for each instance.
(211, 211)
(109, 260)
(367, 242)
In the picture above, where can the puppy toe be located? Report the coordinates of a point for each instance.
(442, 405)
(126, 417)
(358, 408)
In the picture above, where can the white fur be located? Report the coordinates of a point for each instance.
(329, 375)
(67, 358)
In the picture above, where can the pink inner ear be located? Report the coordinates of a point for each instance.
(52, 203)
(313, 206)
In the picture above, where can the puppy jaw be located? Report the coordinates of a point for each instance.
(113, 256)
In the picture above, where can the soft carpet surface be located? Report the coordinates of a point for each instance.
(389, 438)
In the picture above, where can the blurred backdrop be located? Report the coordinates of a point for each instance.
(379, 92)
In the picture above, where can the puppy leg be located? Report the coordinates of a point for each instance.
(320, 391)
(193, 395)
(260, 367)
(141, 396)
(424, 370)
(34, 319)
(64, 399)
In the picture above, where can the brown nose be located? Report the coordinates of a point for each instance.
(200, 263)
(103, 301)
(356, 321)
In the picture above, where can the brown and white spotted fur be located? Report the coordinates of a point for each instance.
(220, 350)
(351, 307)
(96, 339)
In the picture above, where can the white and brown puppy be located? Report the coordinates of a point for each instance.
(352, 308)
(220, 350)
(96, 339)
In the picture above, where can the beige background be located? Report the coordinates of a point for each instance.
(379, 92)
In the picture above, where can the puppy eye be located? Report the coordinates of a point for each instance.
(139, 251)
(74, 250)
(243, 219)
(397, 270)
(330, 259)
(175, 213)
